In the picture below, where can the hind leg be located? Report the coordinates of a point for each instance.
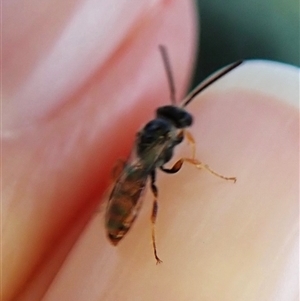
(154, 214)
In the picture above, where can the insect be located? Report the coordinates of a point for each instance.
(153, 148)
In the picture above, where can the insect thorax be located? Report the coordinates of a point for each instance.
(156, 141)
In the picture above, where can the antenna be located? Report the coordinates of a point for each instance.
(210, 81)
(167, 65)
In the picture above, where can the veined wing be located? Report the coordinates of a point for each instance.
(125, 201)
(126, 197)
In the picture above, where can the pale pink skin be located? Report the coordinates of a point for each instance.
(217, 240)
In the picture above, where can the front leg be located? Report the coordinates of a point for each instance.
(177, 166)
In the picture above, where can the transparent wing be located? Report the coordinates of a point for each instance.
(126, 197)
(125, 202)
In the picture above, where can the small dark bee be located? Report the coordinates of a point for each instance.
(153, 148)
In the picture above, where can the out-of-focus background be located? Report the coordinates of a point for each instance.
(247, 29)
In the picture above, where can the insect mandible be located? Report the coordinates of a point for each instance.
(153, 148)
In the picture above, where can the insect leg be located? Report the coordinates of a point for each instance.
(191, 141)
(176, 167)
(200, 165)
(196, 162)
(154, 213)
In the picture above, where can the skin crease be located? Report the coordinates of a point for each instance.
(218, 240)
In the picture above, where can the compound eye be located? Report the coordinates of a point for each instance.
(185, 119)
